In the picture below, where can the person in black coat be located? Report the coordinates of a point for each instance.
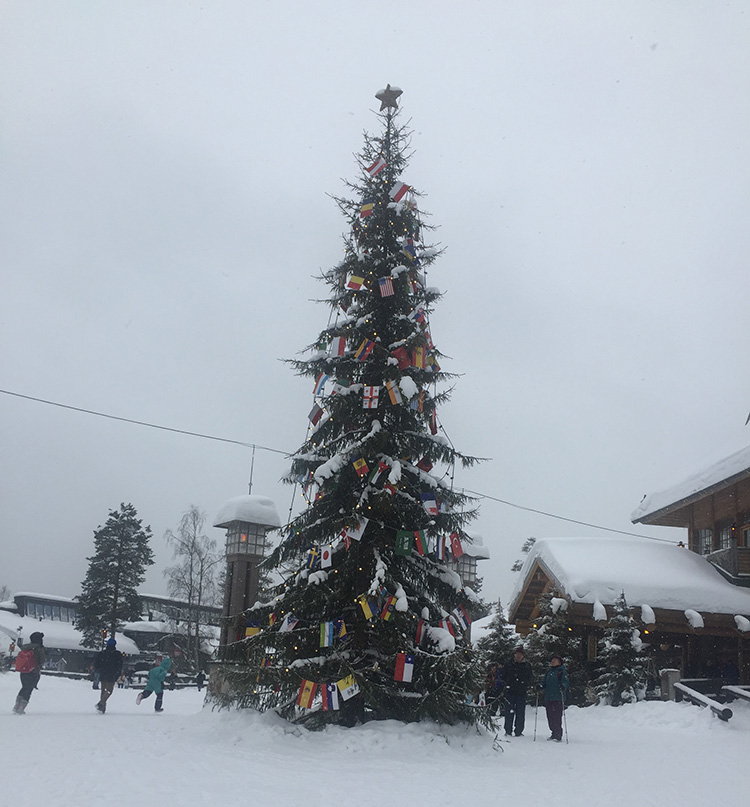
(108, 663)
(517, 676)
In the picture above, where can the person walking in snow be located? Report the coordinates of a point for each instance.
(30, 677)
(108, 663)
(517, 676)
(555, 685)
(199, 679)
(155, 683)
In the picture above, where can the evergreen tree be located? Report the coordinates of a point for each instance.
(368, 583)
(525, 549)
(622, 676)
(497, 646)
(552, 635)
(109, 593)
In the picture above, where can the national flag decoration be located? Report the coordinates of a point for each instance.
(418, 358)
(394, 392)
(329, 696)
(316, 413)
(364, 350)
(386, 286)
(417, 315)
(387, 611)
(432, 364)
(375, 475)
(366, 209)
(355, 282)
(367, 607)
(370, 397)
(409, 251)
(417, 402)
(339, 628)
(429, 502)
(421, 632)
(420, 542)
(320, 382)
(404, 540)
(440, 548)
(456, 547)
(428, 338)
(404, 668)
(448, 625)
(251, 629)
(271, 619)
(398, 191)
(338, 347)
(401, 354)
(389, 488)
(326, 557)
(424, 465)
(376, 167)
(462, 617)
(326, 634)
(433, 422)
(313, 556)
(361, 467)
(354, 533)
(348, 687)
(306, 694)
(290, 620)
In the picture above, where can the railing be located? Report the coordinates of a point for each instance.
(699, 699)
(737, 692)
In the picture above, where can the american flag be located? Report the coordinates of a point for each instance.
(386, 286)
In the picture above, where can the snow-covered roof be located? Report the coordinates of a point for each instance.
(250, 508)
(475, 549)
(57, 635)
(659, 575)
(726, 471)
(38, 596)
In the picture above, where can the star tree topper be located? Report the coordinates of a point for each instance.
(388, 96)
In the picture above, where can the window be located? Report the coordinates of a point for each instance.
(31, 609)
(726, 533)
(705, 541)
(244, 538)
(467, 569)
(56, 612)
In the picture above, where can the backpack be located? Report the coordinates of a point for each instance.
(25, 661)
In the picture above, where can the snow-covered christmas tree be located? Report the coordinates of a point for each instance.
(500, 641)
(371, 619)
(622, 677)
(553, 635)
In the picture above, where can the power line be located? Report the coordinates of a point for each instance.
(143, 423)
(287, 454)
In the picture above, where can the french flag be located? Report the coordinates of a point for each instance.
(404, 668)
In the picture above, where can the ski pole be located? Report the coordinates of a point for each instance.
(536, 712)
(565, 719)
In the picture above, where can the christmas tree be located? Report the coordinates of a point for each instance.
(109, 594)
(501, 640)
(371, 620)
(552, 635)
(622, 677)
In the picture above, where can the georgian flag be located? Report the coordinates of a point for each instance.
(370, 397)
(376, 167)
(404, 668)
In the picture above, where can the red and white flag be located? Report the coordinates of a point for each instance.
(398, 191)
(370, 397)
(404, 668)
(376, 167)
(338, 346)
(325, 557)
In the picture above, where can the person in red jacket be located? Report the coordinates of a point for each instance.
(30, 679)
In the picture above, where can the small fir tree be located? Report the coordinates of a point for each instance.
(622, 675)
(497, 646)
(109, 593)
(525, 549)
(552, 635)
(371, 614)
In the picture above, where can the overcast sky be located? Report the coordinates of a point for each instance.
(164, 211)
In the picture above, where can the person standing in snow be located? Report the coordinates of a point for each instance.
(155, 683)
(555, 685)
(517, 676)
(108, 663)
(30, 679)
(199, 679)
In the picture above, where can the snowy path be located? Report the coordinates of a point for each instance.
(64, 754)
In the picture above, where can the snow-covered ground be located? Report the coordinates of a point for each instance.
(62, 753)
